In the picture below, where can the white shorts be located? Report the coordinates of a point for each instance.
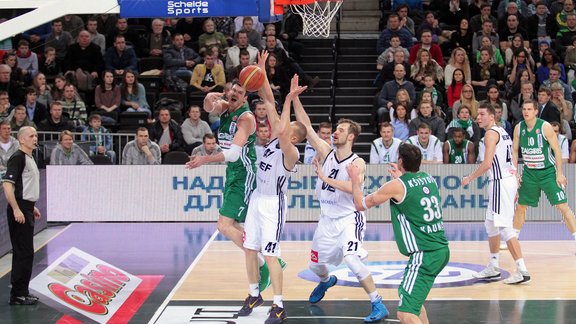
(501, 201)
(335, 238)
(264, 223)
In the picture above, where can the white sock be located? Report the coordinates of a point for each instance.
(278, 301)
(517, 233)
(253, 290)
(495, 259)
(373, 296)
(261, 260)
(574, 234)
(520, 264)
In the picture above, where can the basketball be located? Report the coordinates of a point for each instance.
(252, 78)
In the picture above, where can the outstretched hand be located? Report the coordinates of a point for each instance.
(318, 169)
(295, 89)
(353, 172)
(213, 100)
(195, 161)
(394, 171)
(262, 58)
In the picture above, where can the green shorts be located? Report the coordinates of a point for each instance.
(237, 191)
(534, 181)
(419, 275)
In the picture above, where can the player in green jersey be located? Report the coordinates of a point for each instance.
(418, 227)
(542, 169)
(458, 150)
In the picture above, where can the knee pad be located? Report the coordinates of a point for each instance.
(507, 233)
(356, 266)
(321, 270)
(490, 228)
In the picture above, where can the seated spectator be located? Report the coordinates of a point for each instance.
(130, 35)
(57, 91)
(27, 61)
(72, 24)
(134, 94)
(262, 139)
(468, 98)
(526, 93)
(84, 55)
(35, 111)
(388, 55)
(485, 72)
(8, 144)
(477, 21)
(426, 115)
(487, 31)
(562, 141)
(425, 65)
(514, 52)
(564, 106)
(120, 58)
(389, 90)
(403, 12)
(325, 133)
(385, 148)
(400, 122)
(549, 59)
(426, 43)
(5, 107)
(20, 119)
(166, 133)
(194, 129)
(59, 40)
(277, 76)
(256, 24)
(74, 108)
(393, 28)
(427, 95)
(67, 152)
(179, 61)
(513, 89)
(554, 79)
(208, 147)
(501, 121)
(458, 150)
(17, 75)
(234, 72)
(493, 97)
(464, 121)
(107, 96)
(261, 115)
(253, 35)
(509, 31)
(462, 37)
(270, 30)
(458, 60)
(96, 37)
(455, 88)
(207, 76)
(56, 122)
(429, 145)
(520, 63)
(100, 138)
(212, 37)
(547, 110)
(141, 150)
(403, 98)
(215, 50)
(156, 41)
(430, 23)
(48, 64)
(387, 72)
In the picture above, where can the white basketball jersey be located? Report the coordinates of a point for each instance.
(502, 166)
(381, 154)
(432, 152)
(333, 202)
(271, 175)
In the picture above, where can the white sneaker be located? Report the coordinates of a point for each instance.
(489, 273)
(518, 277)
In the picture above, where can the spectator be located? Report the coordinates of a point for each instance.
(389, 90)
(521, 60)
(455, 88)
(537, 23)
(72, 24)
(134, 94)
(60, 40)
(277, 76)
(261, 115)
(426, 115)
(84, 55)
(387, 72)
(458, 150)
(547, 110)
(401, 121)
(233, 56)
(403, 97)
(501, 121)
(432, 95)
(477, 22)
(37, 36)
(493, 97)
(388, 55)
(495, 55)
(156, 41)
(107, 96)
(425, 65)
(557, 21)
(543, 45)
(508, 31)
(256, 24)
(5, 106)
(20, 119)
(208, 147)
(48, 64)
(42, 90)
(141, 150)
(462, 37)
(74, 108)
(56, 122)
(554, 79)
(485, 72)
(190, 29)
(549, 59)
(429, 145)
(15, 90)
(194, 129)
(57, 92)
(253, 35)
(325, 133)
(179, 60)
(17, 75)
(207, 76)
(100, 138)
(120, 58)
(130, 36)
(526, 93)
(262, 139)
(234, 72)
(166, 133)
(403, 12)
(486, 31)
(564, 106)
(35, 110)
(507, 8)
(106, 24)
(463, 121)
(426, 43)
(96, 37)
(67, 152)
(562, 141)
(467, 97)
(394, 28)
(458, 60)
(385, 148)
(212, 37)
(270, 30)
(8, 145)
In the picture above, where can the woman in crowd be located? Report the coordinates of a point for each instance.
(400, 121)
(107, 96)
(42, 89)
(468, 98)
(134, 94)
(425, 65)
(549, 59)
(458, 60)
(455, 87)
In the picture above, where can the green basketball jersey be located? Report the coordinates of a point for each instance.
(417, 219)
(226, 132)
(457, 155)
(536, 150)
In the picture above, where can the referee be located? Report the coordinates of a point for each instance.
(21, 185)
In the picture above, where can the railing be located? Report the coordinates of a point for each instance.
(334, 75)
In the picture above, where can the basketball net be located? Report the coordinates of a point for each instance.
(316, 16)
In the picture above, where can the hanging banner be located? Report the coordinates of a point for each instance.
(194, 8)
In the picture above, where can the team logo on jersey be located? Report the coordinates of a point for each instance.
(426, 190)
(389, 274)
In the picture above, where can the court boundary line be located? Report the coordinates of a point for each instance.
(168, 298)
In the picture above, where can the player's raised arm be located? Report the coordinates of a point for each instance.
(392, 189)
(285, 130)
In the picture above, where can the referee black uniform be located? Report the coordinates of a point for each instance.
(22, 172)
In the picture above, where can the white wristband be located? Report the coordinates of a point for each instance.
(364, 203)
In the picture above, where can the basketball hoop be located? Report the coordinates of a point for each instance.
(316, 15)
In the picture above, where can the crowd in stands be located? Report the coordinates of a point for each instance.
(439, 60)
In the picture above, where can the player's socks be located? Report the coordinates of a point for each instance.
(278, 301)
(253, 290)
(574, 234)
(495, 259)
(261, 260)
(373, 296)
(521, 265)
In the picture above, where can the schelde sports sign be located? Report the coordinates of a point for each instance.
(86, 284)
(183, 8)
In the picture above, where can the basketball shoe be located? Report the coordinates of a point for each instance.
(379, 312)
(320, 290)
(276, 315)
(518, 277)
(489, 273)
(249, 304)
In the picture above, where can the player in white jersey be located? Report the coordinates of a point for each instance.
(267, 207)
(385, 148)
(341, 227)
(501, 195)
(562, 141)
(429, 145)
